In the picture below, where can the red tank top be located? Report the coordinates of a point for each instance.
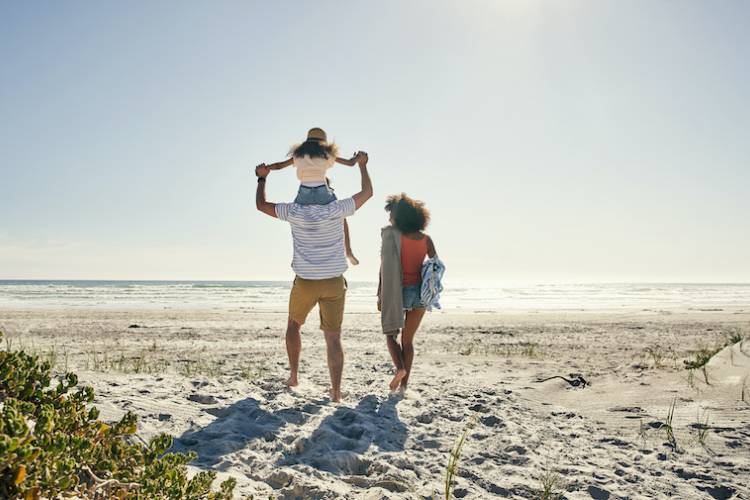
(413, 253)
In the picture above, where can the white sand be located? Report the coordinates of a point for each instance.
(243, 422)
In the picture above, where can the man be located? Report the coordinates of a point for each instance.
(319, 263)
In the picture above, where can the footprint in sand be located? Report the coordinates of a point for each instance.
(598, 493)
(204, 399)
(339, 442)
(492, 421)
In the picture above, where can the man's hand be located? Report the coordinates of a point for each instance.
(362, 159)
(262, 170)
(366, 192)
(260, 194)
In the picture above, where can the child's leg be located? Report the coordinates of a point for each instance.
(349, 253)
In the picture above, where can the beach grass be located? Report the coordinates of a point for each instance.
(642, 432)
(700, 359)
(193, 368)
(668, 426)
(250, 371)
(734, 336)
(657, 356)
(455, 457)
(702, 427)
(109, 360)
(703, 354)
(550, 483)
(523, 349)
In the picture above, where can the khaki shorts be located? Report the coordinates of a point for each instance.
(329, 294)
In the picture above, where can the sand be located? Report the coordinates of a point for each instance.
(214, 380)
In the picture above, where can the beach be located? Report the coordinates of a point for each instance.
(214, 379)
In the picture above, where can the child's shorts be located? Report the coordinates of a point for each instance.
(412, 297)
(318, 195)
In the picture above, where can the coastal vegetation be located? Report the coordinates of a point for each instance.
(52, 443)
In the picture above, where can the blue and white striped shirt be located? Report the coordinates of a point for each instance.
(318, 234)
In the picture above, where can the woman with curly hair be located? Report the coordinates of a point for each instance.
(404, 249)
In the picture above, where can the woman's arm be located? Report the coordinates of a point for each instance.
(431, 252)
(380, 290)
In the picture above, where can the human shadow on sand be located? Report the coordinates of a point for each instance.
(236, 426)
(339, 442)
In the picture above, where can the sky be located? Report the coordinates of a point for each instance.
(576, 141)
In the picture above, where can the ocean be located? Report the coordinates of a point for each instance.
(273, 296)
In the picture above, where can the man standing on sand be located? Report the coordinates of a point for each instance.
(319, 263)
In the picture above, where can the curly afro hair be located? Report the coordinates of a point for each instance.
(409, 215)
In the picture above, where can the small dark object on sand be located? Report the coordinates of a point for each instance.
(134, 326)
(575, 380)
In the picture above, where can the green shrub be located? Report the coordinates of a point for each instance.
(51, 442)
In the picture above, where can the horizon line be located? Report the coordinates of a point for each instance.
(509, 283)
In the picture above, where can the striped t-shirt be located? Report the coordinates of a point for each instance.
(318, 234)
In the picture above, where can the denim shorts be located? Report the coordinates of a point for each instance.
(318, 195)
(412, 296)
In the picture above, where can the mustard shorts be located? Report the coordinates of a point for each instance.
(329, 294)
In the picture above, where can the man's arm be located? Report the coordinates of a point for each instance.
(260, 194)
(366, 192)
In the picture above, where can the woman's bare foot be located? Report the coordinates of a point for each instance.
(397, 378)
(352, 258)
(292, 381)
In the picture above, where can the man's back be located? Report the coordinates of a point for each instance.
(318, 234)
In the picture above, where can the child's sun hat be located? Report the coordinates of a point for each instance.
(317, 134)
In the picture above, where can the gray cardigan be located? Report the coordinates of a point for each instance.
(389, 290)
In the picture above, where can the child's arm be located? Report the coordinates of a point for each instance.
(279, 164)
(350, 162)
(348, 245)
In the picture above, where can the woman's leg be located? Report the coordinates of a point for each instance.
(413, 319)
(398, 361)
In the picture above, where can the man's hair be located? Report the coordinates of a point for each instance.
(314, 149)
(409, 215)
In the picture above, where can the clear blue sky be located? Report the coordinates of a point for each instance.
(553, 141)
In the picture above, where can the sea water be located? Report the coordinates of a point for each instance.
(274, 295)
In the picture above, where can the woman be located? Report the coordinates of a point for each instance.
(404, 249)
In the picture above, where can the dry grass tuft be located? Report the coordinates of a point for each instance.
(668, 427)
(702, 428)
(454, 458)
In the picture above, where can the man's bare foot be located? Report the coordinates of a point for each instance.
(352, 259)
(292, 381)
(397, 378)
(335, 395)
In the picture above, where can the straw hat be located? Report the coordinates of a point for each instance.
(317, 134)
